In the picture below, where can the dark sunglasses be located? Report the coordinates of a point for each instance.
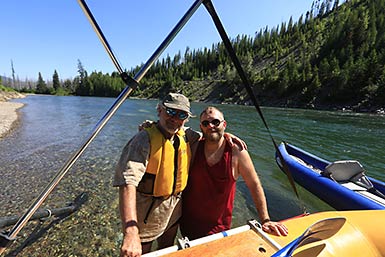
(180, 114)
(214, 122)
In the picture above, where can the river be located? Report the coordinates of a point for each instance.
(51, 128)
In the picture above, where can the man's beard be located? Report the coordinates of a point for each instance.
(171, 127)
(214, 136)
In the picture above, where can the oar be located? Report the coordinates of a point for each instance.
(320, 230)
(47, 213)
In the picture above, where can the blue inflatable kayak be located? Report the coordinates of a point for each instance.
(341, 184)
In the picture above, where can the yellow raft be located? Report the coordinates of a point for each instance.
(361, 233)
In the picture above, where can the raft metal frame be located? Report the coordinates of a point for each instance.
(131, 84)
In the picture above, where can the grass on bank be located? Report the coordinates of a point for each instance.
(6, 89)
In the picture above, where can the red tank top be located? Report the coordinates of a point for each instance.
(209, 196)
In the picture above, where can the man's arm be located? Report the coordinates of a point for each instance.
(193, 138)
(250, 176)
(129, 172)
(247, 171)
(131, 245)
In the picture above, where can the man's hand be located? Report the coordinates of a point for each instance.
(275, 228)
(146, 124)
(234, 140)
(131, 246)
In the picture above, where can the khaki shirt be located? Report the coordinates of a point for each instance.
(130, 170)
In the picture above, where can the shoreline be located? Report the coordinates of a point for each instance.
(9, 114)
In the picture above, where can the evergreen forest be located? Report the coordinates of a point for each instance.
(332, 57)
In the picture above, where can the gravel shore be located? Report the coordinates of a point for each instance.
(8, 111)
(92, 230)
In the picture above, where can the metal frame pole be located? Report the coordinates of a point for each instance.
(131, 85)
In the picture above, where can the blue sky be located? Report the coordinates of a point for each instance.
(44, 35)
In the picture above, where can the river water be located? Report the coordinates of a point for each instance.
(51, 128)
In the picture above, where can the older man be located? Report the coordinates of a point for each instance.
(151, 174)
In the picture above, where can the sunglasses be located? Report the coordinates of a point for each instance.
(179, 114)
(214, 122)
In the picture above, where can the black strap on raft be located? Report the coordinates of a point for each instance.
(210, 8)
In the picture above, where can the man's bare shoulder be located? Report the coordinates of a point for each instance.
(239, 151)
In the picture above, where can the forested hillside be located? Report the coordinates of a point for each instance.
(331, 57)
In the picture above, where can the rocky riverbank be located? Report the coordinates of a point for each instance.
(8, 111)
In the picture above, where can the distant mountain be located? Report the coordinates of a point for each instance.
(18, 84)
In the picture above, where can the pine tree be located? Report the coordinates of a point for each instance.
(55, 81)
(41, 86)
(82, 86)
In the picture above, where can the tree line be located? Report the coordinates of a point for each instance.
(332, 56)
